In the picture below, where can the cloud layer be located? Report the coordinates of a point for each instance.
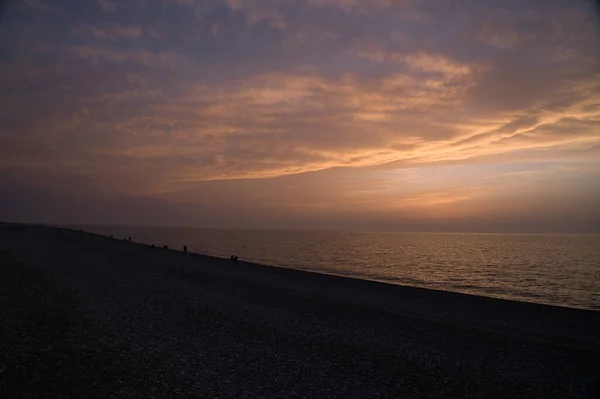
(163, 100)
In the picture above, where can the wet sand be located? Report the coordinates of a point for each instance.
(84, 315)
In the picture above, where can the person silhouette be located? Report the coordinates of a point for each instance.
(185, 249)
(165, 247)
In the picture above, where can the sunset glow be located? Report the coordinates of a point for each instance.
(339, 114)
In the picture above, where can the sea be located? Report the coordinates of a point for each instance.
(561, 270)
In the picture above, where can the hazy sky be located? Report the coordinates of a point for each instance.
(476, 115)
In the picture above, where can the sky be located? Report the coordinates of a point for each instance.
(407, 115)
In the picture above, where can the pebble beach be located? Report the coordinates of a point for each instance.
(85, 315)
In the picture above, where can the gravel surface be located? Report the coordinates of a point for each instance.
(83, 315)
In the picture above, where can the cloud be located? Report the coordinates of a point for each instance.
(146, 58)
(107, 6)
(39, 5)
(154, 98)
(498, 36)
(260, 11)
(287, 123)
(277, 124)
(352, 5)
(422, 62)
(113, 33)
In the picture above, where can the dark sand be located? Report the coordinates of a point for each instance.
(87, 316)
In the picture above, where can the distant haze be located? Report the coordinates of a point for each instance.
(415, 115)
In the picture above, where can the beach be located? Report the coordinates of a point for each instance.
(85, 315)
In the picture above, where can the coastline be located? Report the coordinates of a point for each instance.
(521, 270)
(110, 285)
(424, 302)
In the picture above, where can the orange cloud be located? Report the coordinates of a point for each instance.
(420, 61)
(259, 128)
(217, 102)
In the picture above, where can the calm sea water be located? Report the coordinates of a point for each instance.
(552, 269)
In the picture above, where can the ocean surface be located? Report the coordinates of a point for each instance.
(559, 270)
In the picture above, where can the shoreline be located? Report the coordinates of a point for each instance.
(184, 311)
(479, 291)
(431, 301)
